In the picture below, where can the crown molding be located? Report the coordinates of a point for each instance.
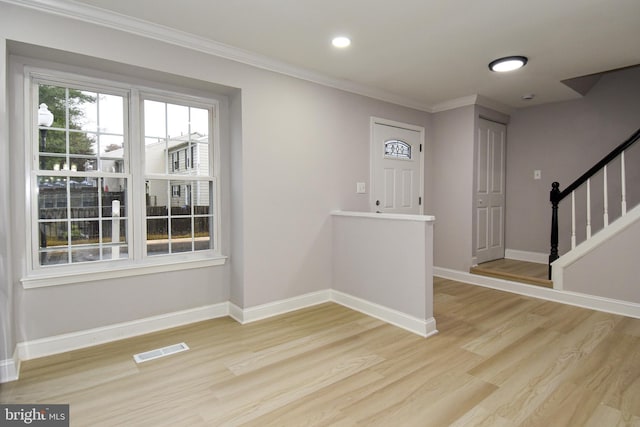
(454, 103)
(96, 16)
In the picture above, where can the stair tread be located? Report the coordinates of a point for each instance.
(514, 270)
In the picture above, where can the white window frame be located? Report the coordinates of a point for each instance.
(137, 263)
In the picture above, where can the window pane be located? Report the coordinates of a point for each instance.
(88, 254)
(200, 154)
(200, 121)
(85, 108)
(157, 236)
(157, 197)
(84, 232)
(155, 156)
(84, 197)
(181, 237)
(111, 146)
(155, 122)
(115, 252)
(112, 197)
(111, 149)
(202, 233)
(177, 121)
(397, 149)
(54, 98)
(52, 141)
(83, 143)
(114, 231)
(111, 117)
(52, 197)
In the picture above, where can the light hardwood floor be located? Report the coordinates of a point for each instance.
(520, 271)
(499, 360)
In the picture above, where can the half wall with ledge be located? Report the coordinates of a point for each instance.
(383, 266)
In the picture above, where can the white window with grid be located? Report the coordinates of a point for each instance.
(112, 175)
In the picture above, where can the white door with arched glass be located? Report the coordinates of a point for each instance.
(396, 167)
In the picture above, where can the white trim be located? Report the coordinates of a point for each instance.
(537, 257)
(10, 368)
(276, 308)
(90, 337)
(116, 270)
(592, 302)
(423, 327)
(455, 103)
(373, 215)
(236, 313)
(616, 227)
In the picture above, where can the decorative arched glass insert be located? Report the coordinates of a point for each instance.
(397, 149)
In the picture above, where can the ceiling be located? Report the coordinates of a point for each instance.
(425, 52)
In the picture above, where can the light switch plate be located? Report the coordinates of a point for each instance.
(361, 187)
(537, 174)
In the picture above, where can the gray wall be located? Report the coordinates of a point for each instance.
(564, 140)
(451, 186)
(296, 151)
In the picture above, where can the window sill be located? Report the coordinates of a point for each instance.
(52, 279)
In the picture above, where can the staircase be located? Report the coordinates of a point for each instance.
(582, 195)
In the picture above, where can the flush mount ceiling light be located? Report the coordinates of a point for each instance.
(508, 63)
(341, 42)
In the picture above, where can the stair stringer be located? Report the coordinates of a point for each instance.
(587, 248)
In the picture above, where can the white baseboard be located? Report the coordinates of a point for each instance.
(76, 340)
(537, 257)
(422, 327)
(10, 368)
(276, 308)
(592, 302)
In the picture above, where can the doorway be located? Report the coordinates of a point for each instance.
(489, 191)
(397, 175)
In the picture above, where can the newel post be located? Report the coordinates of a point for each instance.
(554, 197)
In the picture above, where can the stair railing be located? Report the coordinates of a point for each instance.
(556, 196)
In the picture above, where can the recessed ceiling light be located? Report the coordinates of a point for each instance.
(341, 41)
(508, 63)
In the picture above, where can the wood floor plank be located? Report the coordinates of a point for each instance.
(501, 366)
(607, 416)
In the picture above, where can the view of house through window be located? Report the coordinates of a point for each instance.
(178, 175)
(86, 167)
(82, 203)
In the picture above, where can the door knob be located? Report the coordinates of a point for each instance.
(377, 202)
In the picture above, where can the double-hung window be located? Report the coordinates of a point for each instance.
(179, 214)
(108, 181)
